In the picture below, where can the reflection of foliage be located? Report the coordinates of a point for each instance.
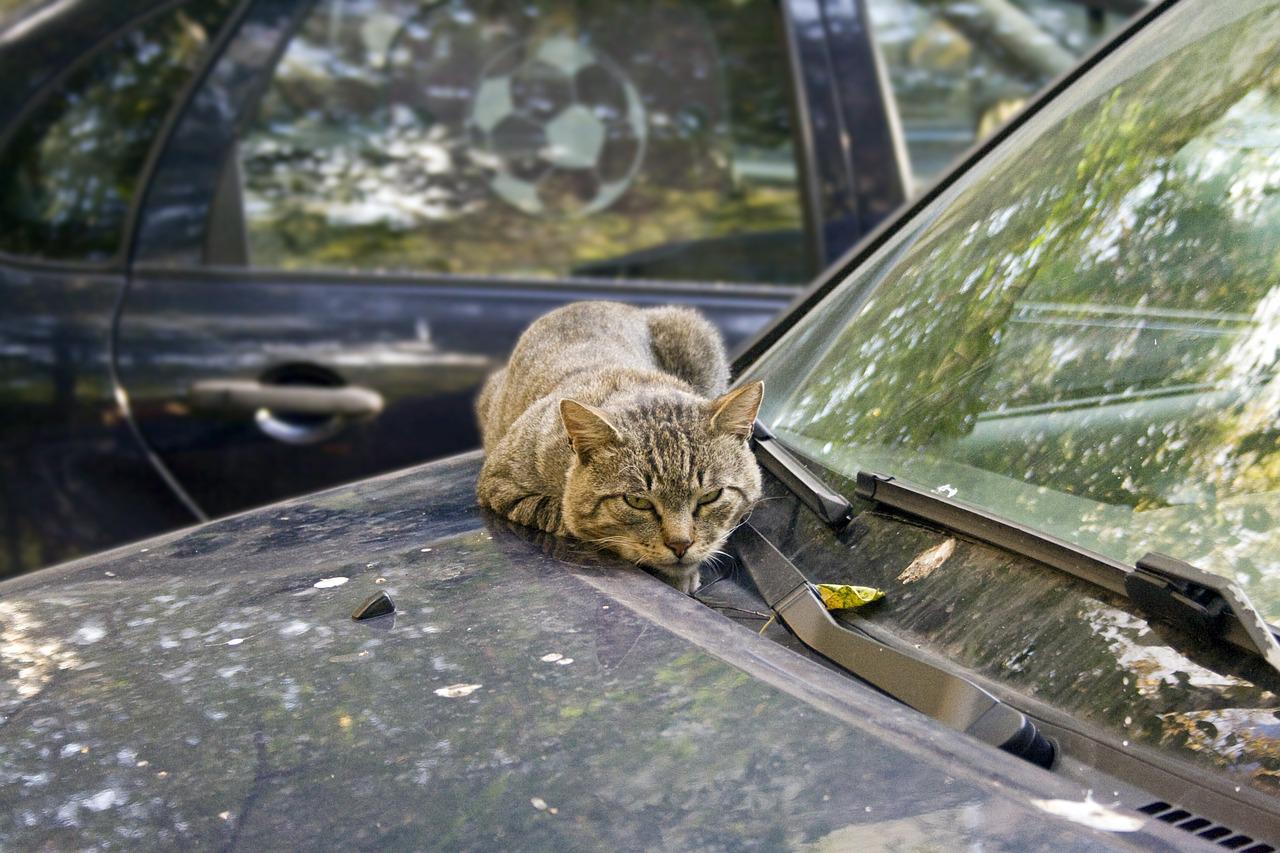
(952, 82)
(68, 175)
(363, 155)
(1232, 737)
(1095, 314)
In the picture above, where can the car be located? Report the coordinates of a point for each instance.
(1064, 655)
(251, 250)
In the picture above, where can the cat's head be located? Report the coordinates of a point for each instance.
(662, 479)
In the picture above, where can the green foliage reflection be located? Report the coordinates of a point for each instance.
(1097, 317)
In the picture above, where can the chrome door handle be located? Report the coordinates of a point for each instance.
(248, 395)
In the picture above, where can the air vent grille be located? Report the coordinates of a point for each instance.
(1224, 836)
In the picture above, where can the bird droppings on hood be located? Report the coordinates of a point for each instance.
(456, 691)
(1091, 814)
(330, 583)
(551, 658)
(88, 634)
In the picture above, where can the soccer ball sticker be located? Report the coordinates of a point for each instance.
(558, 126)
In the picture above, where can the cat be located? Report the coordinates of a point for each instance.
(612, 424)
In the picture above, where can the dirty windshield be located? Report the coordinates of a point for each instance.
(1082, 334)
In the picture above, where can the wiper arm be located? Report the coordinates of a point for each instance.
(830, 506)
(1203, 604)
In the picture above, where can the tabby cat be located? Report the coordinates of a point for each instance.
(611, 424)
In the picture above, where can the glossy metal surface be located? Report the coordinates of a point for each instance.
(73, 478)
(209, 688)
(424, 345)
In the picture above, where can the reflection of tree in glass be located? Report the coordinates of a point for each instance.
(364, 151)
(68, 175)
(1096, 315)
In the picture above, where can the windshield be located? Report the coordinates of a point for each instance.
(1082, 333)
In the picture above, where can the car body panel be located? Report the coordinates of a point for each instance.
(73, 475)
(424, 345)
(209, 687)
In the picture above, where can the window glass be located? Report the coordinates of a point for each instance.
(648, 139)
(959, 69)
(69, 172)
(1084, 333)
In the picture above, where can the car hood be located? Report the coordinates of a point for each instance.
(210, 688)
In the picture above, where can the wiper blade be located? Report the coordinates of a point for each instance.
(1203, 604)
(908, 677)
(830, 506)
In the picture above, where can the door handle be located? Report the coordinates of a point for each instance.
(240, 395)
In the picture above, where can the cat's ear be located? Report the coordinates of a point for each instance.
(589, 428)
(735, 412)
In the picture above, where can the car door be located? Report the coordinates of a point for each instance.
(74, 477)
(364, 204)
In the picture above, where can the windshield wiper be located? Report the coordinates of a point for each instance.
(1204, 605)
(830, 506)
(1200, 603)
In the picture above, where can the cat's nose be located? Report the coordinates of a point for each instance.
(678, 546)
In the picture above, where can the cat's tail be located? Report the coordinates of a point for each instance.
(686, 345)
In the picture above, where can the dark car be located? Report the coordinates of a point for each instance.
(1036, 411)
(248, 250)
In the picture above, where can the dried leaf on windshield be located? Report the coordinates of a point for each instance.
(842, 596)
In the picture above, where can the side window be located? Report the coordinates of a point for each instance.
(960, 69)
(546, 138)
(70, 169)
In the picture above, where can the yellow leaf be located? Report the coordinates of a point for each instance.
(841, 596)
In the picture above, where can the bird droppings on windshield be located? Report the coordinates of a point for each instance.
(926, 562)
(456, 691)
(1091, 814)
(329, 583)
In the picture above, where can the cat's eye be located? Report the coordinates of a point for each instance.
(710, 497)
(637, 502)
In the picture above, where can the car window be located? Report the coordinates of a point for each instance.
(1083, 334)
(69, 171)
(648, 139)
(959, 70)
